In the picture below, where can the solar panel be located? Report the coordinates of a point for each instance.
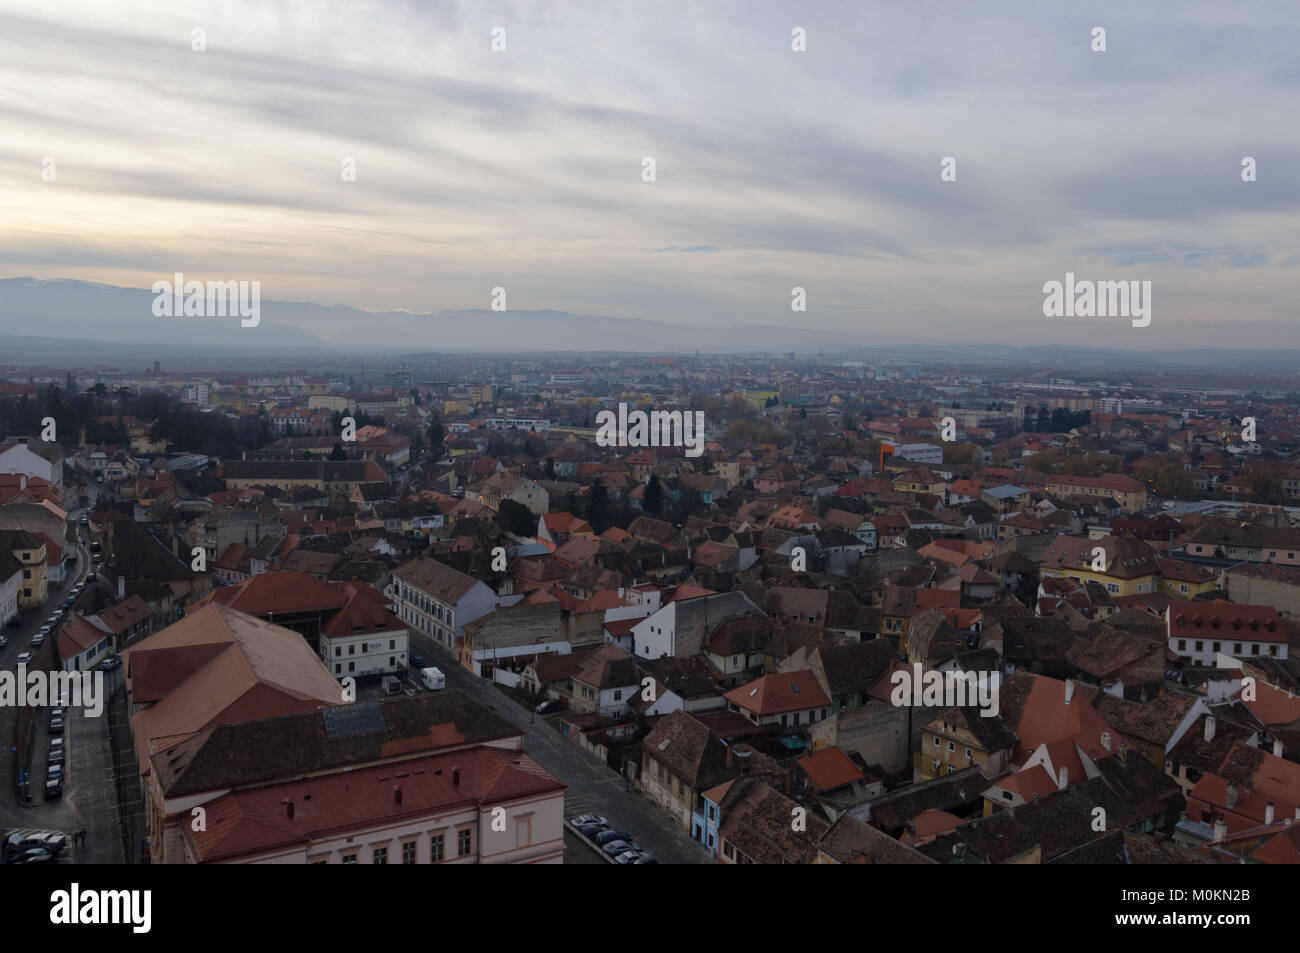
(359, 718)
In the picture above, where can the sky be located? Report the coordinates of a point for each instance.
(774, 168)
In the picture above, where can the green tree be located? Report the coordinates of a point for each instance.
(654, 496)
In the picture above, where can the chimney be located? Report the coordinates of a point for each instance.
(1069, 690)
(1209, 727)
(1277, 747)
(1230, 795)
(1268, 813)
(1065, 778)
(1123, 751)
(22, 481)
(1220, 829)
(1105, 740)
(121, 586)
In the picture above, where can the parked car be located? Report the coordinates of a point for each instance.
(35, 855)
(590, 831)
(606, 837)
(56, 726)
(583, 820)
(634, 857)
(38, 640)
(54, 786)
(417, 661)
(616, 847)
(90, 577)
(54, 770)
(4, 640)
(24, 658)
(56, 755)
(546, 707)
(29, 837)
(644, 858)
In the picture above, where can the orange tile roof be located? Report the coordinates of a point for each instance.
(830, 768)
(780, 692)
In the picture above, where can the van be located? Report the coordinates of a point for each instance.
(433, 679)
(392, 684)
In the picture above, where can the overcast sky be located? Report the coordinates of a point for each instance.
(775, 168)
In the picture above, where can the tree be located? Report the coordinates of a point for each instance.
(515, 518)
(338, 453)
(436, 434)
(654, 496)
(598, 507)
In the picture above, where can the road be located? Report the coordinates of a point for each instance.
(593, 787)
(89, 801)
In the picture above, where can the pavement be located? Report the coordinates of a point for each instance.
(593, 787)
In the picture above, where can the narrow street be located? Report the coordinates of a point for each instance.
(593, 787)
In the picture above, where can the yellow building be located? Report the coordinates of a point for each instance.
(948, 746)
(28, 549)
(1124, 566)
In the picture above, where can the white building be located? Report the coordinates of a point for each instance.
(439, 601)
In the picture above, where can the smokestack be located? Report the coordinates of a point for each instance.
(1230, 796)
(1069, 690)
(1220, 829)
(1209, 727)
(1065, 779)
(1268, 813)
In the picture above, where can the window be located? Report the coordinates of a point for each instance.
(352, 666)
(1214, 646)
(936, 741)
(392, 661)
(379, 855)
(934, 765)
(408, 852)
(1236, 648)
(338, 650)
(352, 649)
(618, 694)
(392, 644)
(1182, 645)
(349, 858)
(435, 848)
(968, 754)
(463, 841)
(952, 746)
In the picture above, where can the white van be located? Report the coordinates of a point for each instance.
(433, 679)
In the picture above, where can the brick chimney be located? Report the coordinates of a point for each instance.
(1268, 813)
(1230, 795)
(1065, 779)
